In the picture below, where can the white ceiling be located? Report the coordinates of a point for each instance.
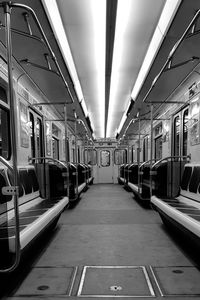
(141, 22)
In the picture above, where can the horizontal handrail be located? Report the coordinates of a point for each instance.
(48, 158)
(171, 157)
(44, 38)
(146, 162)
(171, 54)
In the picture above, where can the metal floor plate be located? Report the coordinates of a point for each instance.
(177, 281)
(48, 281)
(115, 281)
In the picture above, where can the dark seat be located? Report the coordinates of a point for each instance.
(35, 213)
(183, 211)
(57, 182)
(133, 174)
(159, 180)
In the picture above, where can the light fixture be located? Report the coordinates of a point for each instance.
(164, 22)
(123, 119)
(98, 13)
(123, 13)
(83, 105)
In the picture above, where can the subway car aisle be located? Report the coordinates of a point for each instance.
(108, 245)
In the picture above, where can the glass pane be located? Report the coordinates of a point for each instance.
(177, 136)
(158, 148)
(145, 149)
(39, 137)
(185, 131)
(32, 135)
(55, 130)
(55, 147)
(90, 156)
(78, 155)
(120, 156)
(158, 129)
(4, 134)
(105, 158)
(48, 138)
(3, 96)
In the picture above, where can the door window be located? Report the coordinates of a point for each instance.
(36, 135)
(185, 131)
(158, 148)
(177, 136)
(55, 146)
(105, 158)
(180, 133)
(145, 149)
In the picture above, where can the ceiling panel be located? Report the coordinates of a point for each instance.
(141, 22)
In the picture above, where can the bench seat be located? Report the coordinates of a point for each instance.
(35, 213)
(32, 222)
(184, 214)
(183, 211)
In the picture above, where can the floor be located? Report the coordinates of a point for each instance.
(108, 246)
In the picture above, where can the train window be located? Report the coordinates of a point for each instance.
(90, 156)
(185, 131)
(145, 149)
(55, 130)
(158, 129)
(68, 152)
(105, 158)
(3, 96)
(73, 156)
(4, 134)
(119, 156)
(39, 137)
(78, 154)
(158, 148)
(158, 141)
(48, 138)
(180, 132)
(177, 136)
(55, 141)
(133, 154)
(55, 147)
(32, 134)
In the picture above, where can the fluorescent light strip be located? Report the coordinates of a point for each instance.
(59, 32)
(165, 20)
(168, 13)
(98, 12)
(82, 102)
(123, 14)
(123, 119)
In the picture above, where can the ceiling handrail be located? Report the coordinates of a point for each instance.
(171, 54)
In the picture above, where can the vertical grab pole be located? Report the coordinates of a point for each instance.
(138, 158)
(93, 161)
(87, 171)
(13, 114)
(76, 163)
(128, 158)
(151, 151)
(66, 149)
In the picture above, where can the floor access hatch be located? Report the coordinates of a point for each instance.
(115, 281)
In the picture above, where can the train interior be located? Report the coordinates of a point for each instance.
(99, 149)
